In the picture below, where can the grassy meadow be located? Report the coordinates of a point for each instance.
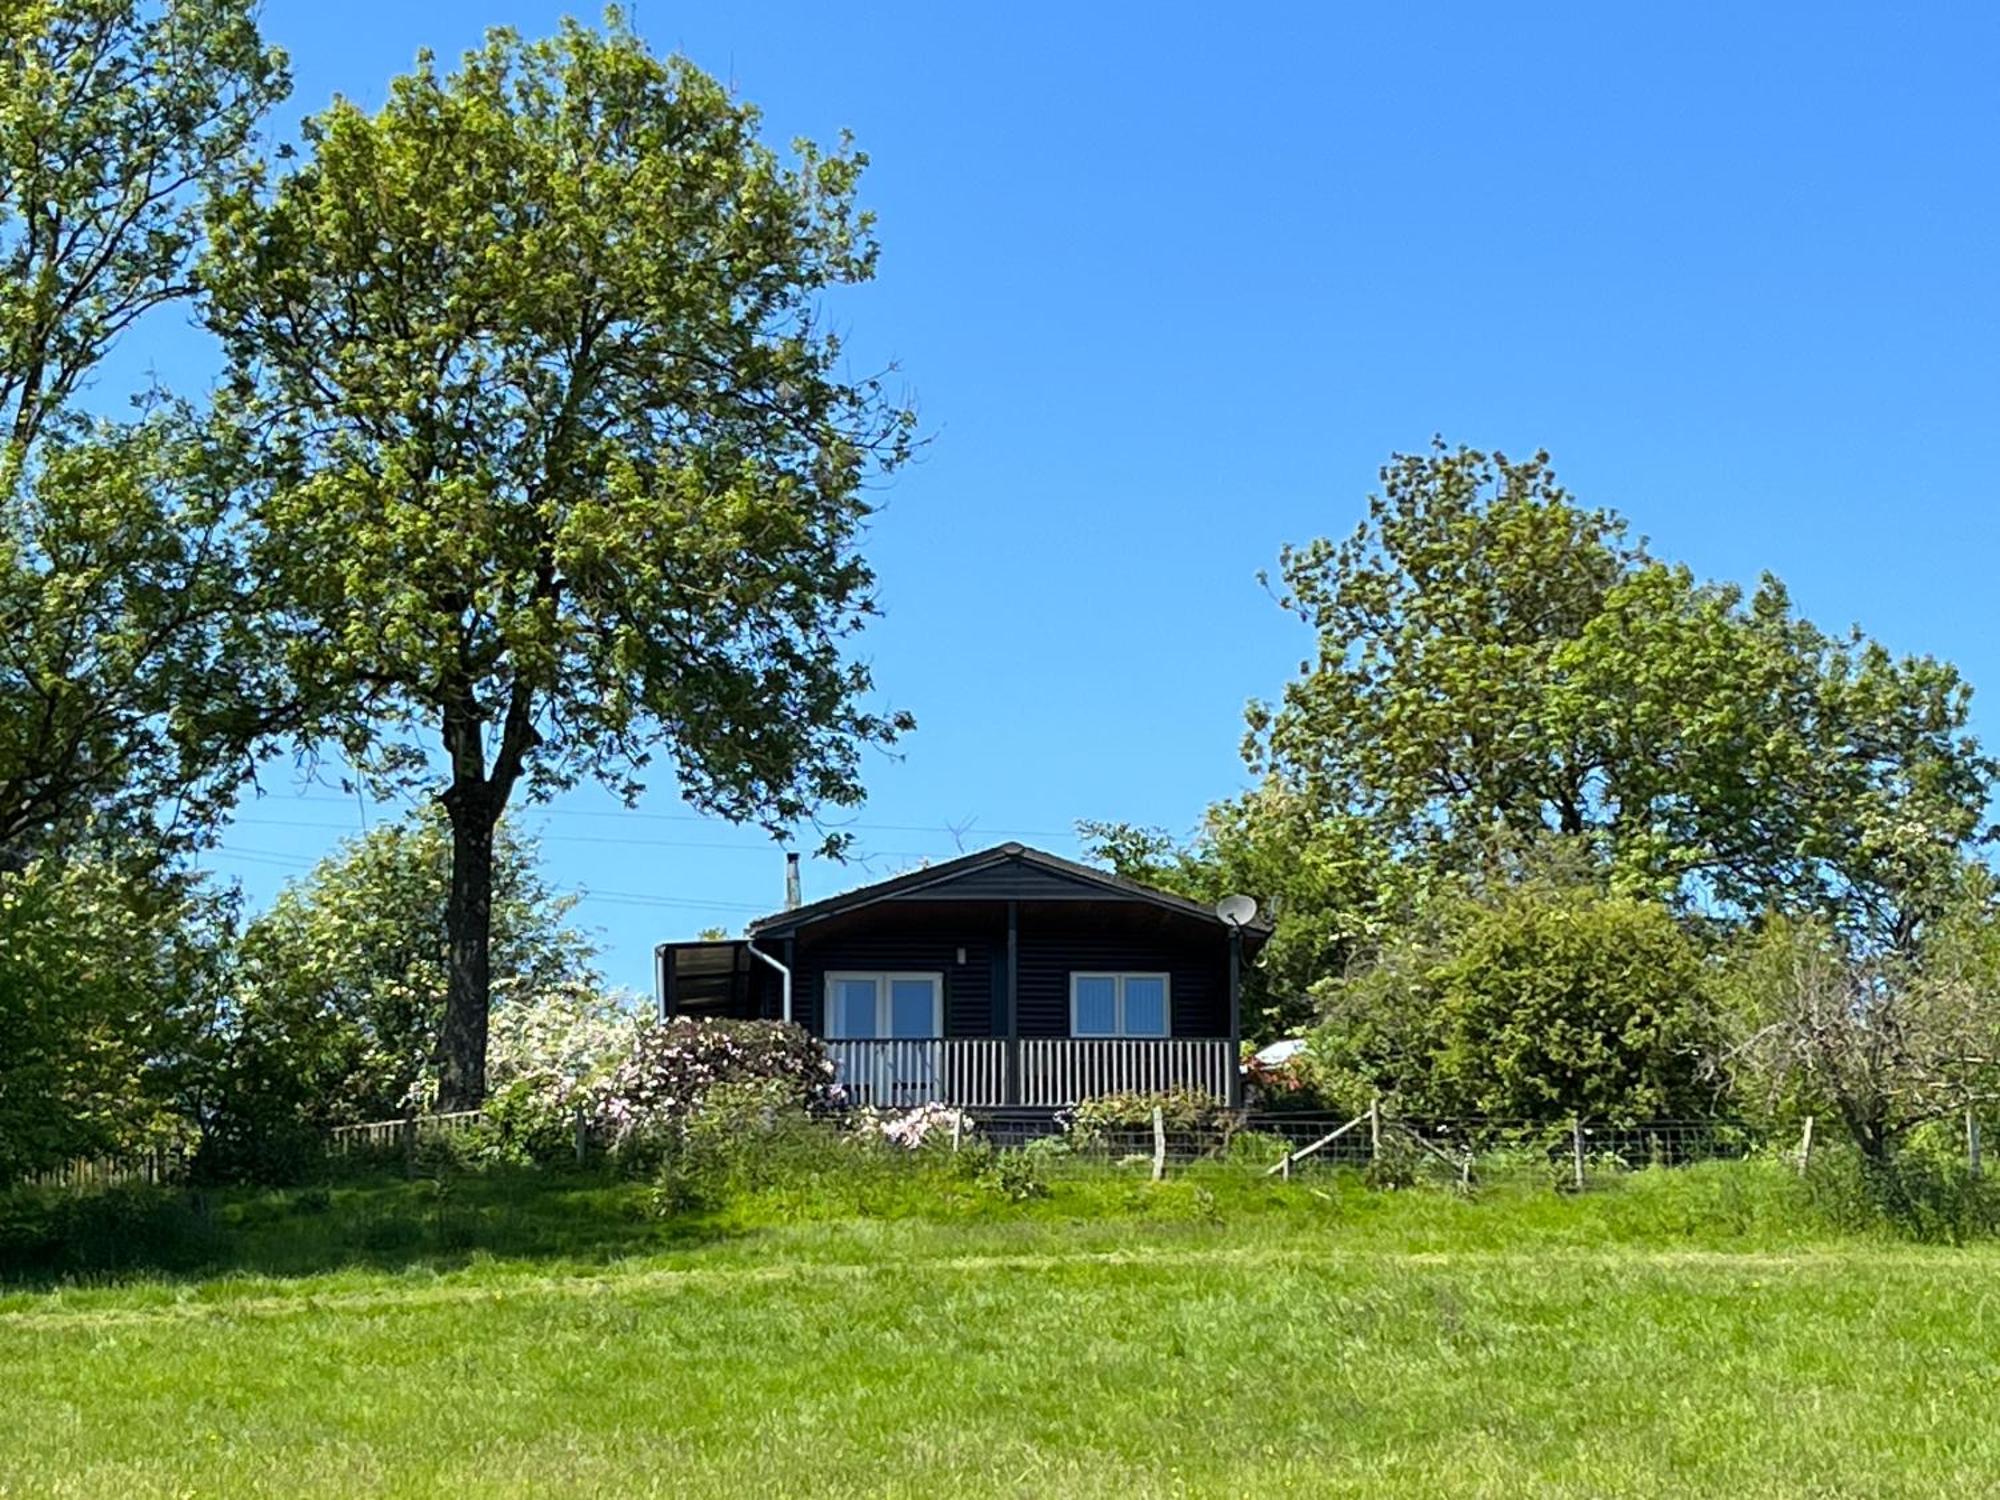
(1672, 1333)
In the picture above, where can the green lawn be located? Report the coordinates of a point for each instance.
(1679, 1334)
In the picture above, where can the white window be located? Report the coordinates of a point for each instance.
(1118, 1005)
(884, 1006)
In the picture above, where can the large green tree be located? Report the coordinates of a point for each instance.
(127, 691)
(1496, 662)
(567, 469)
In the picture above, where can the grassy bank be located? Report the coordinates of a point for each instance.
(1679, 1333)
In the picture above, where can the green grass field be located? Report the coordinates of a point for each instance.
(1679, 1333)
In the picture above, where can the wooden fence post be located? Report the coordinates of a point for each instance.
(1972, 1144)
(957, 1129)
(1159, 1143)
(1576, 1148)
(1805, 1146)
(1375, 1128)
(582, 1135)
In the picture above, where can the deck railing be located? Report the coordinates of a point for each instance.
(1067, 1070)
(902, 1074)
(973, 1071)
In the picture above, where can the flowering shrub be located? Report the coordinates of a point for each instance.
(1293, 1083)
(910, 1129)
(563, 1037)
(546, 1051)
(674, 1065)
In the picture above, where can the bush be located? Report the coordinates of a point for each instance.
(1016, 1176)
(1924, 1190)
(641, 1108)
(260, 1139)
(1538, 1003)
(530, 1121)
(49, 1231)
(1193, 1119)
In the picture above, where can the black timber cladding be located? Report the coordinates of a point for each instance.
(1056, 943)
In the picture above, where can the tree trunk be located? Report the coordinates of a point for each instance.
(468, 972)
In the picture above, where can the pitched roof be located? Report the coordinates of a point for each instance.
(956, 871)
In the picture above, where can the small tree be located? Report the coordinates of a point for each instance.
(109, 980)
(341, 986)
(566, 470)
(1880, 1044)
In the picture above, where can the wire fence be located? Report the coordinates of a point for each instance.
(1392, 1146)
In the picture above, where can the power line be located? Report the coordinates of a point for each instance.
(585, 893)
(762, 851)
(942, 830)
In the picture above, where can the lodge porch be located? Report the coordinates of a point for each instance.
(1030, 1072)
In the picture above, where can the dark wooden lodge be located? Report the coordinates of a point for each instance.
(1007, 978)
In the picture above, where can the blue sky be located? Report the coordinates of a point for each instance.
(1170, 284)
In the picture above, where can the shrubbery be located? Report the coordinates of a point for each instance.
(649, 1096)
(1542, 1002)
(1126, 1119)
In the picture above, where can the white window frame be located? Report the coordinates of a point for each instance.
(1120, 978)
(883, 979)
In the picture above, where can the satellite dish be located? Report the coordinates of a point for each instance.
(1236, 910)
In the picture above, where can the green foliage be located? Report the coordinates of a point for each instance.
(340, 990)
(70, 1234)
(1496, 663)
(1539, 1002)
(1017, 1176)
(752, 1137)
(134, 690)
(565, 472)
(1124, 1121)
(114, 116)
(1874, 1045)
(1318, 880)
(109, 975)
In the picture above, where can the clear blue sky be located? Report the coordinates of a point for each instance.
(1170, 284)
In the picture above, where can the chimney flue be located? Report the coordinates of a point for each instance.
(791, 882)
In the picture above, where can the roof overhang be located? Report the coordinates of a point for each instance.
(953, 880)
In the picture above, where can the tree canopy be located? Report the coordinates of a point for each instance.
(1496, 666)
(565, 469)
(110, 979)
(1495, 661)
(131, 692)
